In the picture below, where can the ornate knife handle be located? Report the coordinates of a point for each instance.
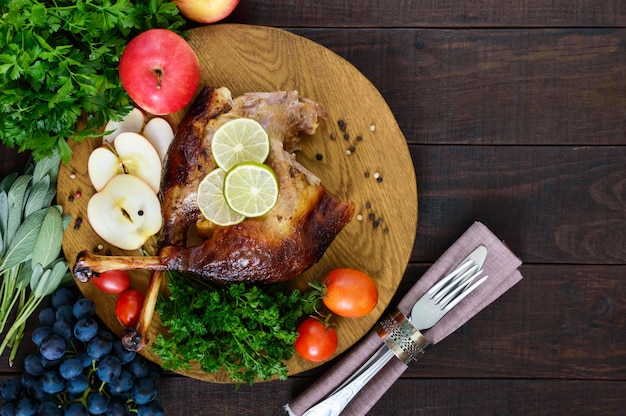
(401, 339)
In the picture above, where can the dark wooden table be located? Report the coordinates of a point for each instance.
(515, 115)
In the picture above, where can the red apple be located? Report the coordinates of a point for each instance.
(206, 11)
(159, 71)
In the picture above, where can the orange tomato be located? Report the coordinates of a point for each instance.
(349, 293)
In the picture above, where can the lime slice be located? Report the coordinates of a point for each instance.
(238, 141)
(211, 200)
(251, 189)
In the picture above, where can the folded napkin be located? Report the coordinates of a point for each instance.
(500, 264)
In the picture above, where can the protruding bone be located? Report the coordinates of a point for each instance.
(88, 264)
(134, 339)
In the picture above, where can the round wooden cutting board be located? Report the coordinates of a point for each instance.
(371, 167)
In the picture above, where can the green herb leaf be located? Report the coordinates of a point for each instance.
(7, 181)
(22, 245)
(38, 196)
(38, 274)
(48, 244)
(47, 167)
(4, 218)
(38, 232)
(24, 276)
(16, 196)
(58, 67)
(246, 330)
(50, 279)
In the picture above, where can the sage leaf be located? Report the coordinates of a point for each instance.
(50, 195)
(8, 180)
(51, 279)
(22, 245)
(30, 166)
(47, 166)
(4, 218)
(24, 276)
(41, 283)
(66, 221)
(16, 201)
(36, 275)
(48, 244)
(37, 197)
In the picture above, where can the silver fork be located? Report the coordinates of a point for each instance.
(427, 311)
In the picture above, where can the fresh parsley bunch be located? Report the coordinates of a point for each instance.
(59, 64)
(246, 330)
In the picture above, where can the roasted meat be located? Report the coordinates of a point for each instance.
(275, 247)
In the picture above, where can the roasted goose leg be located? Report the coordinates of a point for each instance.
(275, 247)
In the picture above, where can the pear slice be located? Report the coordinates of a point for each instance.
(130, 153)
(125, 213)
(132, 122)
(159, 132)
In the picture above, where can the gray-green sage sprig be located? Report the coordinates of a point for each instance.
(31, 234)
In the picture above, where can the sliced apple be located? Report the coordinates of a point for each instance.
(159, 132)
(131, 153)
(125, 213)
(103, 164)
(132, 122)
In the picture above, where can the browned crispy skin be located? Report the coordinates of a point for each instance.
(284, 116)
(275, 247)
(188, 160)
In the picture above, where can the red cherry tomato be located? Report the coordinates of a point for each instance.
(350, 293)
(128, 306)
(316, 342)
(113, 281)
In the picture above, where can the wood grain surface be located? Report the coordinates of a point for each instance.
(515, 115)
(427, 13)
(267, 59)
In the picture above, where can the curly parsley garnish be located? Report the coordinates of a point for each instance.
(246, 330)
(59, 62)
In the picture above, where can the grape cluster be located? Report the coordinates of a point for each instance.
(81, 368)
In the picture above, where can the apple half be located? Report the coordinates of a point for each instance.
(160, 134)
(130, 153)
(132, 122)
(125, 213)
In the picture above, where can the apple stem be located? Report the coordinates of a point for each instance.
(159, 75)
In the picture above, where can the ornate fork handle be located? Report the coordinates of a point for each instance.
(401, 339)
(335, 403)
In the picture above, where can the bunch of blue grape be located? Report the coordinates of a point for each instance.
(81, 368)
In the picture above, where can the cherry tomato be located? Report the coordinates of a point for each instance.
(350, 293)
(316, 342)
(128, 306)
(113, 281)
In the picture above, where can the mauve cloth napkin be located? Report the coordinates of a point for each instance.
(500, 264)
